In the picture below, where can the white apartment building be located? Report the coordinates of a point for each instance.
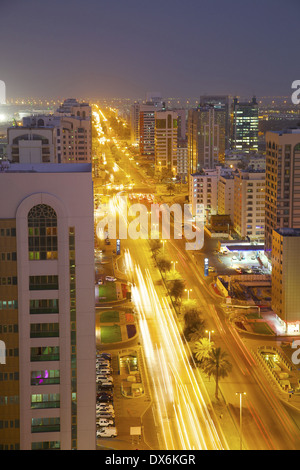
(203, 189)
(47, 391)
(63, 137)
(285, 278)
(249, 203)
(226, 195)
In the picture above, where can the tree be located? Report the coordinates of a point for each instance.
(194, 325)
(177, 289)
(170, 188)
(155, 246)
(163, 265)
(202, 349)
(217, 365)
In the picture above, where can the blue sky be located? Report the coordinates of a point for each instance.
(124, 48)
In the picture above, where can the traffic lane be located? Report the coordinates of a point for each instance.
(241, 357)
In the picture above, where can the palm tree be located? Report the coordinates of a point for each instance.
(202, 349)
(217, 365)
(193, 325)
(163, 264)
(155, 246)
(177, 289)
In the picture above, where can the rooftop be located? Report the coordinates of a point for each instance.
(288, 232)
(7, 167)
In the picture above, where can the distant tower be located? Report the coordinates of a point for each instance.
(2, 92)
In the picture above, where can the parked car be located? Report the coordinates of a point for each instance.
(104, 397)
(105, 414)
(104, 406)
(104, 356)
(104, 371)
(110, 278)
(105, 377)
(105, 422)
(107, 432)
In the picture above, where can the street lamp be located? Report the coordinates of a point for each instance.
(174, 262)
(209, 333)
(188, 292)
(241, 399)
(163, 242)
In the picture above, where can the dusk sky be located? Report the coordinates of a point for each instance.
(124, 48)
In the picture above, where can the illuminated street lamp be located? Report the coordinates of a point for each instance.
(188, 292)
(163, 242)
(209, 333)
(174, 263)
(241, 435)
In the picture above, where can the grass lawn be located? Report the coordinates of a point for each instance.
(109, 316)
(253, 315)
(109, 291)
(262, 328)
(110, 334)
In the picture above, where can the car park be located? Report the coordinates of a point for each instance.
(107, 432)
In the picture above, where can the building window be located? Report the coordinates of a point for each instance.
(43, 282)
(44, 306)
(45, 425)
(45, 377)
(42, 233)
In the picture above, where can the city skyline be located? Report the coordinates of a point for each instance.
(117, 49)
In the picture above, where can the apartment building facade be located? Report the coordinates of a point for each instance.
(249, 203)
(282, 182)
(47, 323)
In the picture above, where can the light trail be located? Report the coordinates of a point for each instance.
(184, 419)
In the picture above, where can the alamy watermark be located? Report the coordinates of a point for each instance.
(296, 94)
(118, 221)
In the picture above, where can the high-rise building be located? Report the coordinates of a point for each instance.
(220, 104)
(147, 124)
(166, 142)
(244, 125)
(207, 132)
(63, 137)
(285, 278)
(182, 159)
(249, 203)
(282, 182)
(226, 195)
(134, 123)
(203, 189)
(47, 322)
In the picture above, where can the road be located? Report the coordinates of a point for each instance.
(182, 407)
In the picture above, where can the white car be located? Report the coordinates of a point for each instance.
(104, 407)
(107, 432)
(110, 278)
(103, 422)
(104, 370)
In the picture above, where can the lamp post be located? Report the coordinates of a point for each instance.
(241, 422)
(163, 242)
(174, 263)
(209, 333)
(188, 292)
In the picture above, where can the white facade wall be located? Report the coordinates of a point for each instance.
(69, 192)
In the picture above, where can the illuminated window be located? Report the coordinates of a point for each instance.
(42, 233)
